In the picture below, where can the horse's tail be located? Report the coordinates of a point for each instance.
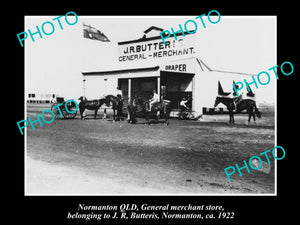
(257, 112)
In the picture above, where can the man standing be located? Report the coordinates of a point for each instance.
(119, 93)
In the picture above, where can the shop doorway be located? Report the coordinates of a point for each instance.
(176, 86)
(139, 87)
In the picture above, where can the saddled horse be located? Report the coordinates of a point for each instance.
(160, 108)
(243, 104)
(117, 105)
(90, 105)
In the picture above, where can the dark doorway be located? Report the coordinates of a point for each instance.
(140, 87)
(177, 86)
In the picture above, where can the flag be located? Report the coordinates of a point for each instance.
(94, 34)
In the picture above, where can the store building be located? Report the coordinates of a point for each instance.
(174, 70)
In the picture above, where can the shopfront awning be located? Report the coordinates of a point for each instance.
(120, 71)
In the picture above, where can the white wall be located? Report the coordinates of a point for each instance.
(96, 87)
(206, 88)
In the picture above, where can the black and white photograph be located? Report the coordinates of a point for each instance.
(182, 117)
(155, 114)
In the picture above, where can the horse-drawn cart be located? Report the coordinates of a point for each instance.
(70, 105)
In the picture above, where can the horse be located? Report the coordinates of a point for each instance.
(90, 105)
(162, 107)
(248, 104)
(117, 105)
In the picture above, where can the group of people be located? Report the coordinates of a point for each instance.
(155, 98)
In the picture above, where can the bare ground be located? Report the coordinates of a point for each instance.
(96, 156)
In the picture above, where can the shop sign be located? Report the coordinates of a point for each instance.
(179, 66)
(156, 49)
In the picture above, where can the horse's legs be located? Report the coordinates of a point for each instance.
(166, 118)
(253, 113)
(134, 120)
(230, 117)
(81, 113)
(119, 113)
(114, 115)
(249, 118)
(132, 117)
(96, 110)
(118, 116)
(104, 114)
(147, 117)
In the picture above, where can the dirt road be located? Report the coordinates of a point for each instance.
(187, 157)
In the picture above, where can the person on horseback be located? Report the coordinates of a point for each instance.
(154, 99)
(236, 100)
(182, 104)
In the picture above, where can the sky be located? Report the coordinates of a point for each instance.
(54, 63)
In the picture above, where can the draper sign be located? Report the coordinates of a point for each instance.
(155, 49)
